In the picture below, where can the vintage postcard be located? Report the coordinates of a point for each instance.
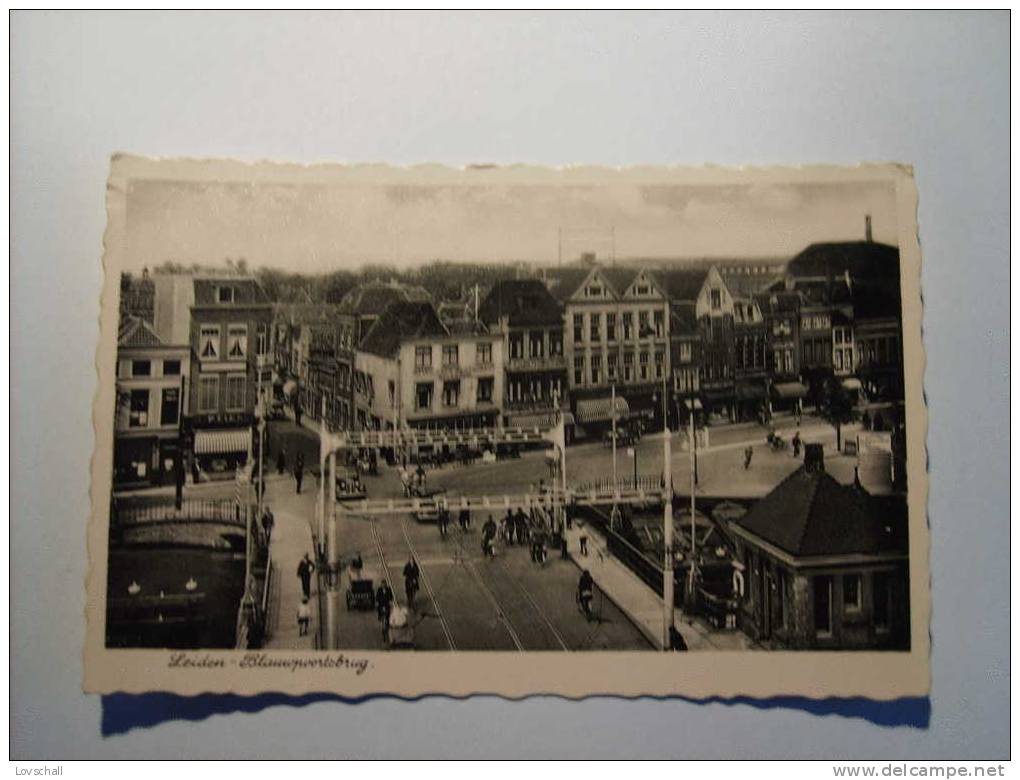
(653, 431)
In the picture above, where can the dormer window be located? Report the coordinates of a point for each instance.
(225, 294)
(642, 289)
(595, 291)
(716, 300)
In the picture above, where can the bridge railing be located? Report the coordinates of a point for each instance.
(646, 482)
(192, 510)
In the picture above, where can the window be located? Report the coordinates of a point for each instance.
(536, 346)
(450, 357)
(451, 393)
(716, 297)
(578, 369)
(660, 363)
(612, 359)
(141, 368)
(262, 340)
(642, 289)
(423, 396)
(391, 386)
(422, 358)
(852, 592)
(880, 596)
(643, 363)
(837, 360)
(610, 327)
(208, 393)
(556, 342)
(209, 342)
(594, 291)
(169, 407)
(823, 606)
(628, 325)
(596, 327)
(138, 410)
(644, 330)
(788, 361)
(485, 386)
(171, 368)
(683, 352)
(483, 354)
(780, 600)
(516, 346)
(237, 342)
(660, 324)
(628, 367)
(578, 328)
(225, 294)
(596, 369)
(781, 328)
(235, 392)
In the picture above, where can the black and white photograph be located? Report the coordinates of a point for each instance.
(593, 415)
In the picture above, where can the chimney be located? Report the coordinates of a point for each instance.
(588, 258)
(867, 228)
(814, 459)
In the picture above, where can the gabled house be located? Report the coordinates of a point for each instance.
(617, 335)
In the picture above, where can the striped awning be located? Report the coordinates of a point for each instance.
(531, 420)
(601, 409)
(789, 390)
(217, 442)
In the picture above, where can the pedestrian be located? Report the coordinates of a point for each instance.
(297, 416)
(585, 593)
(488, 535)
(748, 454)
(281, 460)
(444, 519)
(384, 606)
(866, 420)
(304, 573)
(420, 474)
(411, 575)
(511, 526)
(405, 482)
(304, 614)
(796, 444)
(464, 518)
(299, 470)
(355, 567)
(267, 523)
(583, 539)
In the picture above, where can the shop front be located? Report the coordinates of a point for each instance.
(218, 452)
(788, 396)
(751, 400)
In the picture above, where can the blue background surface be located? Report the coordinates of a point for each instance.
(931, 89)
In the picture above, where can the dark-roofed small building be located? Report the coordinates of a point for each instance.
(825, 565)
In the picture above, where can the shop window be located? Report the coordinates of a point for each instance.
(138, 414)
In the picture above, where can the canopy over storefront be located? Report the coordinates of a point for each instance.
(220, 442)
(789, 390)
(595, 410)
(750, 392)
(852, 383)
(692, 404)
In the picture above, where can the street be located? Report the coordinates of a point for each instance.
(466, 601)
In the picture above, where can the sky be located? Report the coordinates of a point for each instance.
(314, 226)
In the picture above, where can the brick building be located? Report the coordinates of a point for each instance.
(824, 565)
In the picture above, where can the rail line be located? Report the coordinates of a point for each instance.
(500, 612)
(428, 586)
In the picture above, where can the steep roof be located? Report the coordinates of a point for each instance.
(745, 285)
(565, 281)
(777, 302)
(620, 277)
(310, 313)
(401, 320)
(683, 319)
(810, 514)
(136, 332)
(524, 301)
(247, 290)
(371, 299)
(682, 284)
(862, 259)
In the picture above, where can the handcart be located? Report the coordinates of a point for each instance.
(401, 632)
(361, 595)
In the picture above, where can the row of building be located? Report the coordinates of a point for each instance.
(726, 341)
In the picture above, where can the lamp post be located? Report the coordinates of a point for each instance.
(612, 411)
